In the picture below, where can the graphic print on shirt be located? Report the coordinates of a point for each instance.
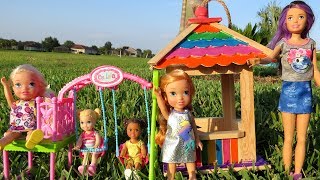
(185, 134)
(299, 59)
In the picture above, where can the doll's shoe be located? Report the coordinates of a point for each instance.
(297, 176)
(80, 169)
(92, 170)
(135, 175)
(35, 137)
(127, 174)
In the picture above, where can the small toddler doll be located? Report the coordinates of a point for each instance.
(134, 150)
(89, 138)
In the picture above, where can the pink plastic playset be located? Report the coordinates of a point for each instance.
(57, 117)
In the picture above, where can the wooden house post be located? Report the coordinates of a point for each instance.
(247, 144)
(228, 101)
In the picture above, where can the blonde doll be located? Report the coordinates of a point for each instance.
(298, 59)
(27, 84)
(89, 138)
(174, 97)
(134, 150)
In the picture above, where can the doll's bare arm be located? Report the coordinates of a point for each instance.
(161, 103)
(98, 140)
(196, 135)
(124, 150)
(143, 150)
(316, 73)
(78, 144)
(269, 59)
(7, 91)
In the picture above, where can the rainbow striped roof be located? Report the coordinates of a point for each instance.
(208, 44)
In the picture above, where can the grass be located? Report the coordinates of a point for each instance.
(60, 68)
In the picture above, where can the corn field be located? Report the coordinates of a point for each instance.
(60, 68)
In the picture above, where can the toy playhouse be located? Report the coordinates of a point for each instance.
(208, 48)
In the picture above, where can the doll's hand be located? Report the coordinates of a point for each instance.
(4, 81)
(199, 144)
(76, 148)
(157, 91)
(253, 61)
(124, 156)
(96, 145)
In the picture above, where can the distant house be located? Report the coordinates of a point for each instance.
(125, 51)
(32, 46)
(64, 49)
(132, 52)
(81, 49)
(14, 47)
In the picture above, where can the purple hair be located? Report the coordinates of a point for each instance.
(283, 32)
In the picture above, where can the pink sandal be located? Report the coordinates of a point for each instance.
(80, 169)
(296, 176)
(92, 169)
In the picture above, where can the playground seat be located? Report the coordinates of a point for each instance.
(55, 118)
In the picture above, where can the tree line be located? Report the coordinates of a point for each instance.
(261, 32)
(50, 44)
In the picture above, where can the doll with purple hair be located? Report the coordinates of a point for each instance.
(296, 52)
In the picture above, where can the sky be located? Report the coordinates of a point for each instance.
(144, 24)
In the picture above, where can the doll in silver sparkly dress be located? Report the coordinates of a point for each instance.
(177, 135)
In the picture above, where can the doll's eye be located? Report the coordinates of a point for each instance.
(18, 85)
(89, 122)
(186, 92)
(32, 84)
(301, 17)
(173, 93)
(290, 18)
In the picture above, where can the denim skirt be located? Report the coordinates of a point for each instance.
(296, 97)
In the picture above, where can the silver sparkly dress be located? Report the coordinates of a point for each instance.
(179, 144)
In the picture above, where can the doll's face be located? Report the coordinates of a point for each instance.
(87, 123)
(296, 20)
(26, 85)
(133, 131)
(178, 94)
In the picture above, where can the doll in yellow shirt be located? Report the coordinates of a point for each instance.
(134, 150)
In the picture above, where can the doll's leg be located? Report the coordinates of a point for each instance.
(93, 166)
(137, 165)
(171, 171)
(8, 137)
(300, 151)
(129, 163)
(85, 158)
(191, 167)
(94, 158)
(137, 162)
(288, 121)
(84, 162)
